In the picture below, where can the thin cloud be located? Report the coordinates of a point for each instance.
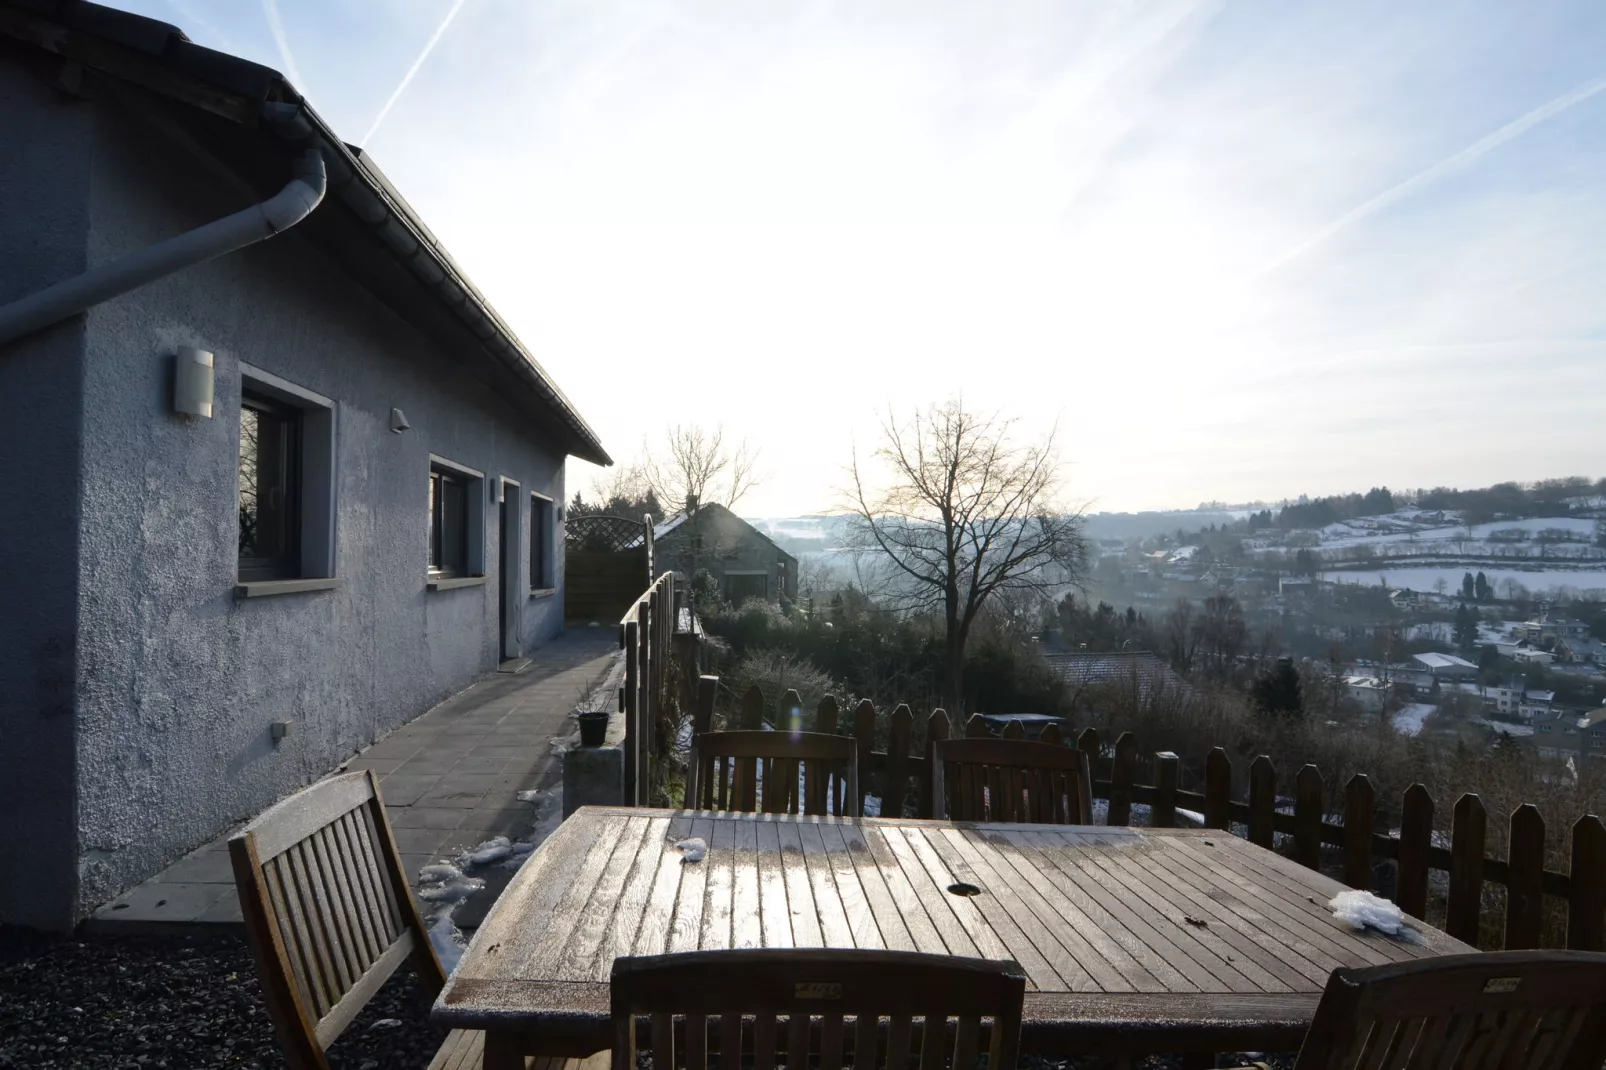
(434, 39)
(1515, 128)
(270, 8)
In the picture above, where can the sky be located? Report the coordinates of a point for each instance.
(1231, 251)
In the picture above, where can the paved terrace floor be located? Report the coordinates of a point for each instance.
(450, 778)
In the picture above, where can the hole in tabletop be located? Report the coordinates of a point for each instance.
(961, 888)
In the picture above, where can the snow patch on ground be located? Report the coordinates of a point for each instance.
(1408, 720)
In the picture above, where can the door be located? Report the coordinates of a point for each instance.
(510, 573)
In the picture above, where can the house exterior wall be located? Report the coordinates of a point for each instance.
(177, 681)
(44, 182)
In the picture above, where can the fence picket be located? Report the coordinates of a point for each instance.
(1358, 807)
(1468, 829)
(1218, 790)
(631, 692)
(1014, 730)
(702, 718)
(975, 727)
(1052, 734)
(864, 732)
(1088, 744)
(1262, 801)
(1308, 817)
(1122, 773)
(1586, 898)
(1167, 770)
(1525, 868)
(936, 728)
(788, 718)
(752, 714)
(1416, 837)
(896, 789)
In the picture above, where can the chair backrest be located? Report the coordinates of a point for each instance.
(829, 1000)
(1534, 1010)
(1010, 780)
(736, 770)
(328, 912)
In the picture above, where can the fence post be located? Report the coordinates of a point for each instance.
(752, 715)
(864, 732)
(1088, 744)
(1586, 892)
(936, 728)
(1416, 836)
(1166, 769)
(1121, 774)
(1468, 826)
(1308, 817)
(632, 696)
(1525, 868)
(900, 734)
(1262, 802)
(1218, 790)
(646, 706)
(702, 718)
(1358, 807)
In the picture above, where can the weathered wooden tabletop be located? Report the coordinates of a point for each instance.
(1132, 939)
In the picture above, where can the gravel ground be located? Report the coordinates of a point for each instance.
(175, 1002)
(144, 1002)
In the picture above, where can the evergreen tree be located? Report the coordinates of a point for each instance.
(1469, 590)
(1278, 693)
(1465, 634)
(1305, 563)
(1481, 588)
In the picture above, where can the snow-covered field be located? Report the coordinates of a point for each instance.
(1408, 719)
(1423, 577)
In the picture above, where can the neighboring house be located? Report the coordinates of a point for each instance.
(1570, 734)
(1544, 630)
(1368, 692)
(1445, 666)
(1530, 656)
(744, 561)
(1576, 650)
(1117, 669)
(212, 600)
(1295, 585)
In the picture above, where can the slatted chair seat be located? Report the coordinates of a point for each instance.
(1010, 780)
(752, 770)
(1504, 1010)
(329, 917)
(808, 1008)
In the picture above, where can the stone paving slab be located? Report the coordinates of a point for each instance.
(450, 779)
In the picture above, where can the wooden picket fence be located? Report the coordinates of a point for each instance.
(646, 634)
(901, 777)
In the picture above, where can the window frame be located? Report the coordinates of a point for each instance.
(542, 561)
(469, 565)
(310, 562)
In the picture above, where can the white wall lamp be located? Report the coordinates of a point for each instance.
(398, 421)
(193, 381)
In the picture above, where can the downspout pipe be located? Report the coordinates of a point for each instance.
(257, 223)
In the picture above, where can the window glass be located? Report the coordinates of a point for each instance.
(448, 523)
(541, 541)
(269, 491)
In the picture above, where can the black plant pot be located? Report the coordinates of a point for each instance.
(593, 728)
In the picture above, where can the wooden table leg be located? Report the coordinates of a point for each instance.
(503, 1051)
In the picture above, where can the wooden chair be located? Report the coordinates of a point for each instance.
(1010, 780)
(329, 916)
(825, 997)
(726, 768)
(1504, 1010)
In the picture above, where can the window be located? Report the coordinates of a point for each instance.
(740, 586)
(448, 523)
(543, 529)
(269, 489)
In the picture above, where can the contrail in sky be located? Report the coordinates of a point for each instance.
(270, 8)
(1515, 128)
(457, 5)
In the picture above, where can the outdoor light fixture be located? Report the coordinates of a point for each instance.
(192, 382)
(398, 421)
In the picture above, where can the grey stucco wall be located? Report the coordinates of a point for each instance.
(44, 182)
(178, 681)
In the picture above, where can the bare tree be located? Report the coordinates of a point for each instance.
(694, 466)
(960, 512)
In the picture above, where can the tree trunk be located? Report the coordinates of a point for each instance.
(953, 689)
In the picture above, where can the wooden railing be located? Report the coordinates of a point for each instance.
(646, 633)
(901, 776)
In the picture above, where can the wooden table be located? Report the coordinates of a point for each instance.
(1133, 940)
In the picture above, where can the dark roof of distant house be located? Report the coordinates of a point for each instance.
(669, 526)
(256, 122)
(1114, 668)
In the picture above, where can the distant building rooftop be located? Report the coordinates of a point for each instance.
(1113, 669)
(1443, 661)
